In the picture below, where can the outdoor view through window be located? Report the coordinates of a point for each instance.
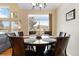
(5, 24)
(38, 22)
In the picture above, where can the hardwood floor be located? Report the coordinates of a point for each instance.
(7, 52)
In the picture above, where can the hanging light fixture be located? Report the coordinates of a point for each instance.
(39, 5)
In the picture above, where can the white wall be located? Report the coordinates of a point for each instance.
(71, 27)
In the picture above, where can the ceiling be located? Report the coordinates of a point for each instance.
(28, 6)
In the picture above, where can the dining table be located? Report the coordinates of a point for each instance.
(39, 45)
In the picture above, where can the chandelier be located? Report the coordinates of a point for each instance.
(39, 5)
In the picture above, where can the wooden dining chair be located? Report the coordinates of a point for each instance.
(17, 44)
(60, 47)
(20, 33)
(61, 34)
(18, 47)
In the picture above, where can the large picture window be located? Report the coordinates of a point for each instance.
(38, 21)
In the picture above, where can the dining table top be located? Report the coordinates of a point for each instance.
(45, 40)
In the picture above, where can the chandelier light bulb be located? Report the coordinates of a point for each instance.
(39, 5)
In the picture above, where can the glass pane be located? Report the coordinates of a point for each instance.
(4, 13)
(15, 26)
(32, 23)
(38, 21)
(4, 24)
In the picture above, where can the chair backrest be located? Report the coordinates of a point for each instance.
(10, 34)
(20, 34)
(17, 44)
(32, 32)
(61, 45)
(48, 32)
(62, 34)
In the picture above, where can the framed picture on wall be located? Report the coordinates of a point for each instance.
(70, 15)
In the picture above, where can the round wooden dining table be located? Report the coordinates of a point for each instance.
(40, 44)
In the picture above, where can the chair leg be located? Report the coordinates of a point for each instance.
(65, 53)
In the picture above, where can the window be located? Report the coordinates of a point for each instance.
(6, 23)
(4, 12)
(36, 21)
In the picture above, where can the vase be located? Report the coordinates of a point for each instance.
(38, 37)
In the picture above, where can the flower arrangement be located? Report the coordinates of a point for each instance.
(39, 32)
